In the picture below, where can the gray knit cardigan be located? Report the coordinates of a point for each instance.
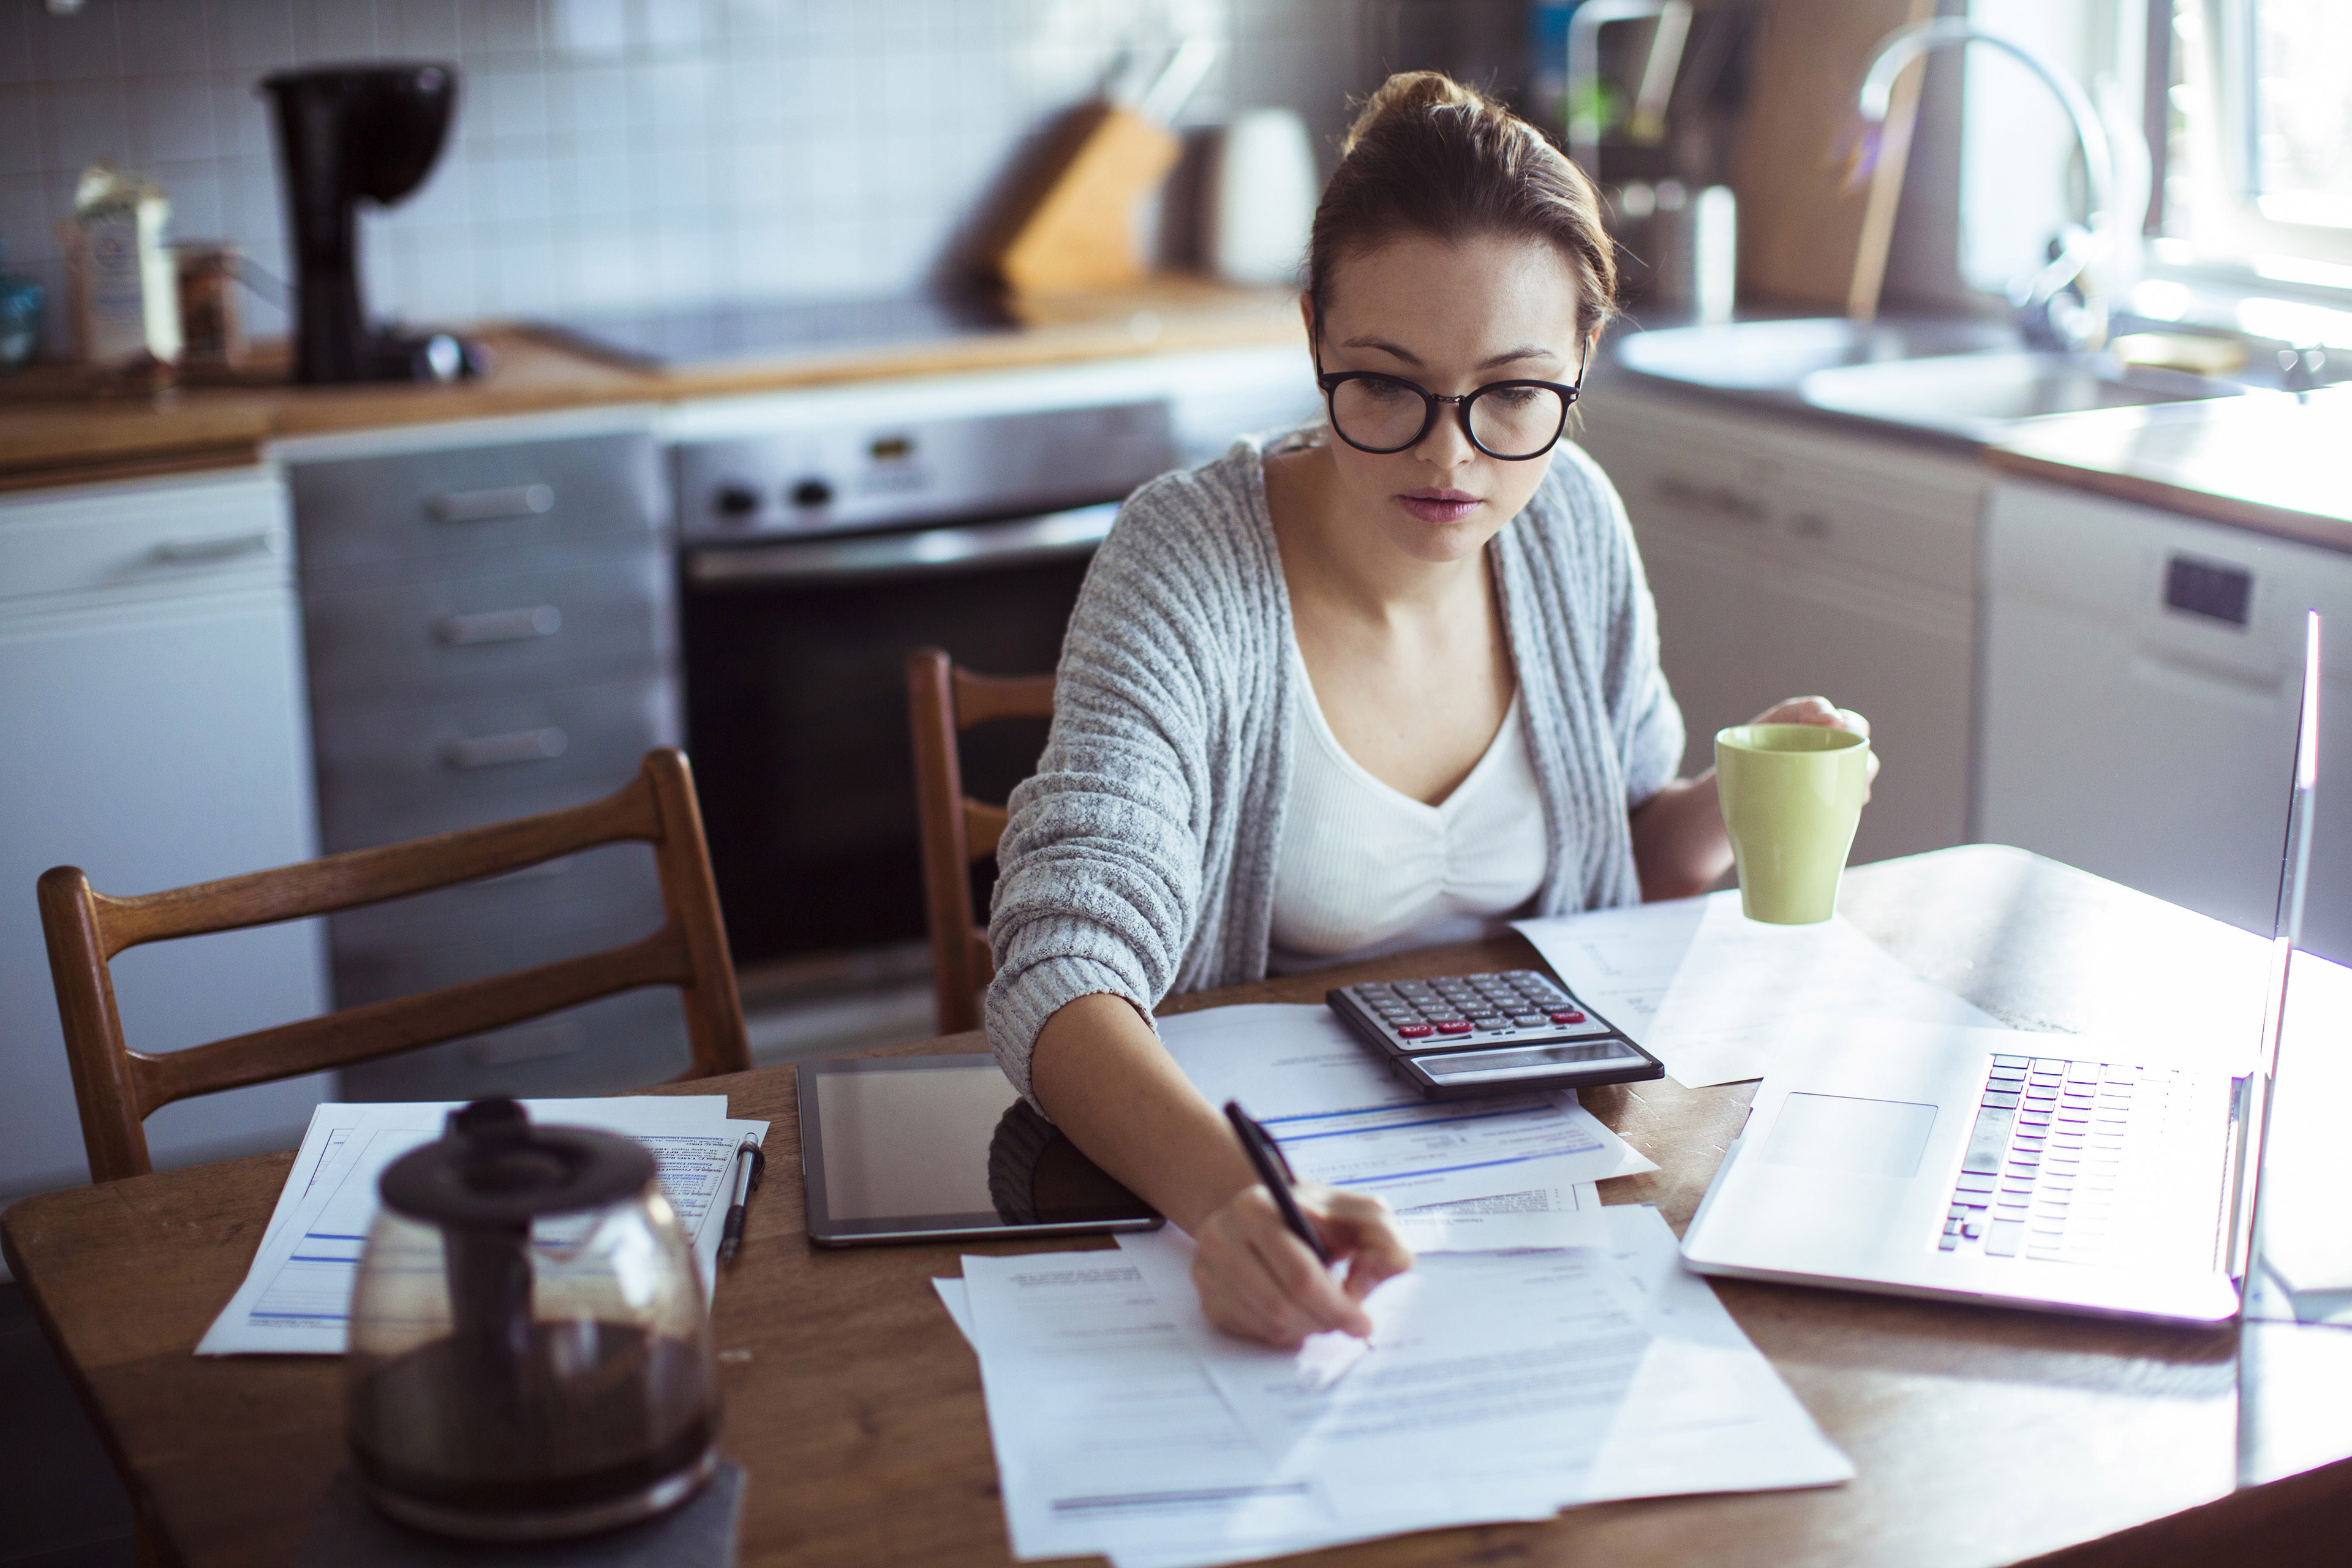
(1139, 857)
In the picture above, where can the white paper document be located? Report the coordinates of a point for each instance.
(297, 1295)
(1341, 1117)
(1713, 995)
(1485, 1392)
(1125, 1425)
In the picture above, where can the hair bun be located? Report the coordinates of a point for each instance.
(1410, 93)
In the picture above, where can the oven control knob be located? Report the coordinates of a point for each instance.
(735, 503)
(811, 493)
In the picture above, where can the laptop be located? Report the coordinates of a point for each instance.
(2061, 1171)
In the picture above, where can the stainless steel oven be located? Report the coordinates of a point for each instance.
(812, 563)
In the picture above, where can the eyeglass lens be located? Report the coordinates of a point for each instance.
(1507, 421)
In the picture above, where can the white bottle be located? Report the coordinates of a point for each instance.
(1262, 187)
(125, 286)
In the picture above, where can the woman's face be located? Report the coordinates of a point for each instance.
(1450, 316)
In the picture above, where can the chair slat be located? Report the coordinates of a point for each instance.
(981, 699)
(372, 876)
(984, 826)
(406, 1022)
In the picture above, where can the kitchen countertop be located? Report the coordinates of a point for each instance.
(53, 432)
(2268, 461)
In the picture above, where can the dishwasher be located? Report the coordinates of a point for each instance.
(2138, 682)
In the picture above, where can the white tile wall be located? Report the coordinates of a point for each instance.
(618, 152)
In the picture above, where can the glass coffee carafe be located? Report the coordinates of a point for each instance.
(530, 1348)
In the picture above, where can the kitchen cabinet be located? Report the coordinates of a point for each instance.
(2142, 675)
(152, 698)
(489, 612)
(1788, 560)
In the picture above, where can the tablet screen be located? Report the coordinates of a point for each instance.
(903, 1147)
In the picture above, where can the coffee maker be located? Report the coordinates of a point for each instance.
(345, 132)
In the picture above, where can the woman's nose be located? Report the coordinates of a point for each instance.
(1447, 445)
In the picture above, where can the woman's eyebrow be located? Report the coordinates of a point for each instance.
(1509, 356)
(1529, 351)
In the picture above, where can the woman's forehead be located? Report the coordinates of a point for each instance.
(1453, 302)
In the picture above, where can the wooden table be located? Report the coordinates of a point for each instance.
(1982, 1435)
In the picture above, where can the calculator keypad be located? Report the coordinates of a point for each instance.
(1459, 1010)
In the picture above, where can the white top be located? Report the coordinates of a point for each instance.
(1364, 869)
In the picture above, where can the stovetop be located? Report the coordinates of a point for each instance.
(755, 330)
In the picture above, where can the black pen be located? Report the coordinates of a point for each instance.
(1265, 1158)
(747, 1182)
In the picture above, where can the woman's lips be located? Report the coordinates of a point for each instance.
(1438, 506)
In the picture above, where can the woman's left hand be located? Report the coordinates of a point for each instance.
(1821, 710)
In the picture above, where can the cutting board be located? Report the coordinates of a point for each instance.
(1803, 220)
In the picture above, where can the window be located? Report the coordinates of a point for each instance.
(2258, 154)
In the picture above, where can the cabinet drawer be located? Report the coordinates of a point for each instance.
(443, 506)
(468, 636)
(142, 539)
(609, 1047)
(614, 884)
(390, 773)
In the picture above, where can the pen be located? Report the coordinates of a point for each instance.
(747, 1182)
(1266, 1159)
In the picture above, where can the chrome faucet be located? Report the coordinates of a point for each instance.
(2045, 312)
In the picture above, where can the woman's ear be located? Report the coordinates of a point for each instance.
(1307, 312)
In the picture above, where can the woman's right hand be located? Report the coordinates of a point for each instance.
(1258, 1281)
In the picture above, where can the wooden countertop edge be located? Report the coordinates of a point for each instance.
(2236, 511)
(44, 444)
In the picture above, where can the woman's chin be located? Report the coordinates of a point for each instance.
(1439, 543)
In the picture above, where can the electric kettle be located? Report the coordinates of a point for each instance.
(530, 1352)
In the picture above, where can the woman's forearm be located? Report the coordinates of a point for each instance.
(1113, 1090)
(1679, 845)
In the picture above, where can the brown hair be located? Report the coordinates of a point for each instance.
(1427, 155)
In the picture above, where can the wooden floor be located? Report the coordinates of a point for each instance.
(63, 1507)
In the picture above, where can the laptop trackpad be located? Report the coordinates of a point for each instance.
(1835, 1132)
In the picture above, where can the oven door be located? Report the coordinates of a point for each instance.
(797, 710)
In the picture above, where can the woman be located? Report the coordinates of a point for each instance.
(1386, 683)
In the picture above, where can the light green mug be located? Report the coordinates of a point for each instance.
(1792, 796)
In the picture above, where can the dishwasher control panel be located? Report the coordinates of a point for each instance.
(880, 476)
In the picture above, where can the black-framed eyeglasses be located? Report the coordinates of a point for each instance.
(1512, 421)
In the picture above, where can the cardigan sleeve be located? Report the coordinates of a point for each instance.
(1641, 707)
(1099, 870)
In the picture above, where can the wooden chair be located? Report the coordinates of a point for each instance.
(117, 1087)
(942, 701)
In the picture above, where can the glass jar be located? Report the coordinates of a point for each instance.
(530, 1352)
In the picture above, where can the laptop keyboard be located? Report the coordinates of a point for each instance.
(2054, 1144)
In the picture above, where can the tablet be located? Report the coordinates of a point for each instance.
(926, 1148)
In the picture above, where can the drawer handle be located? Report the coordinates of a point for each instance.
(497, 751)
(1721, 499)
(489, 505)
(226, 547)
(500, 625)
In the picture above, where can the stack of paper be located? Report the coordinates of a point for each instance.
(296, 1297)
(1713, 995)
(1343, 1118)
(1542, 1352)
(1496, 1386)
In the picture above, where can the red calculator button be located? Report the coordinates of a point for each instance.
(1454, 1026)
(1414, 1031)
(1568, 1015)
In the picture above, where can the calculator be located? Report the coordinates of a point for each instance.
(1458, 1037)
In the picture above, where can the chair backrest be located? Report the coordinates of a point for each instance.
(941, 702)
(117, 1088)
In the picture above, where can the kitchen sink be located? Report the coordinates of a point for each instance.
(1774, 356)
(1954, 377)
(1976, 395)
